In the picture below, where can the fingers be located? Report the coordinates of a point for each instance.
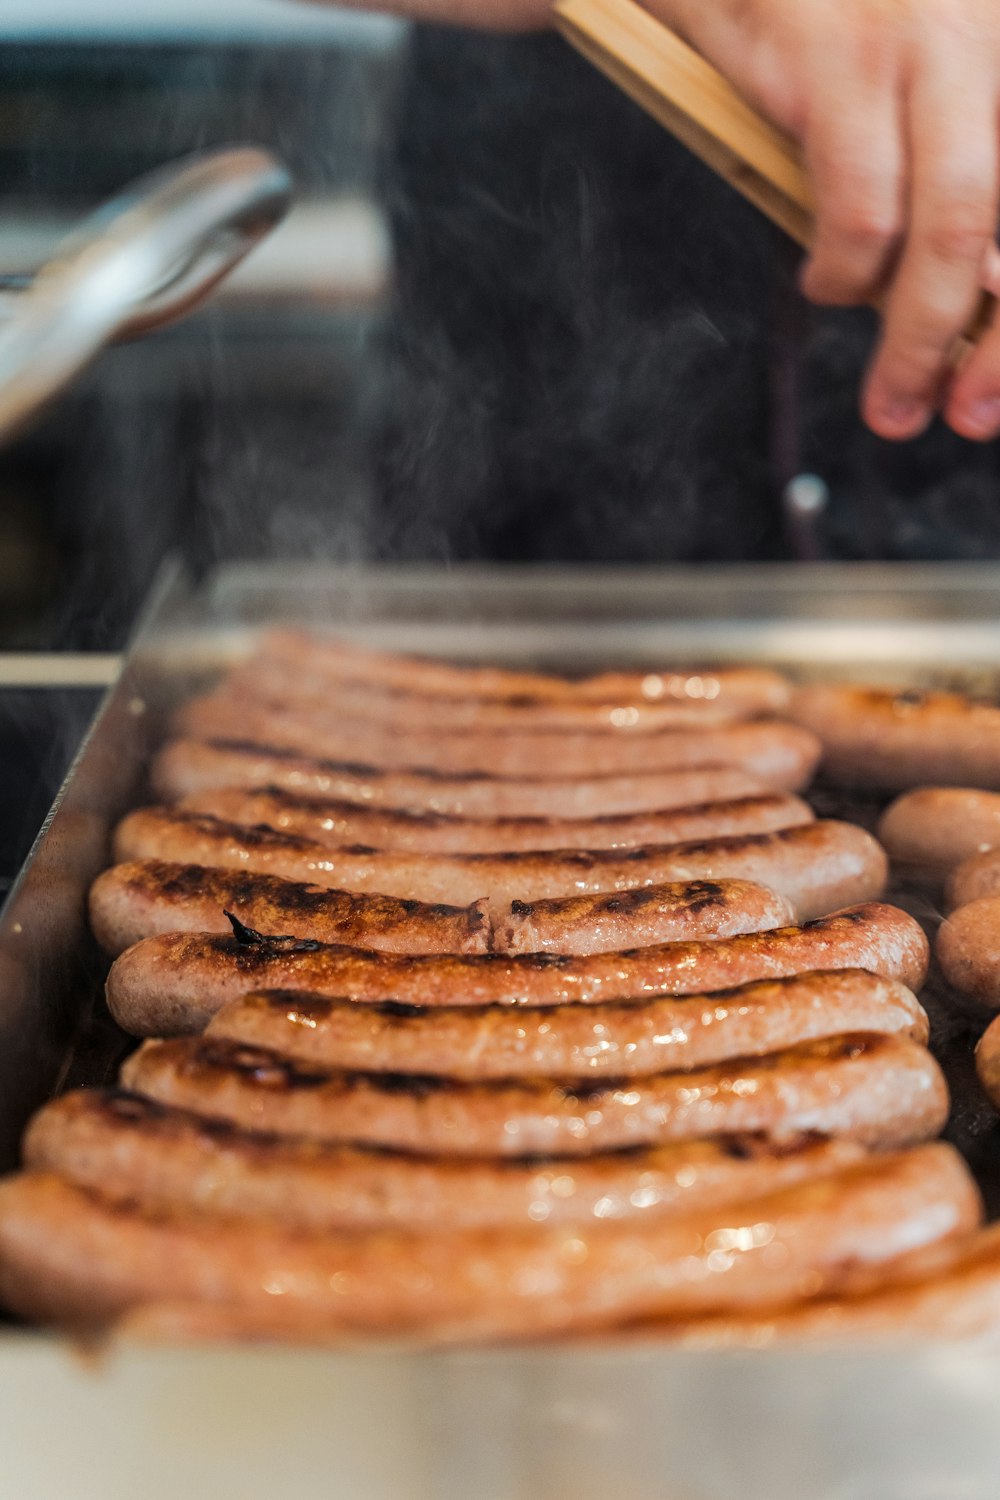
(952, 121)
(973, 408)
(855, 154)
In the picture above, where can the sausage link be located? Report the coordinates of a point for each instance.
(974, 879)
(175, 983)
(138, 900)
(898, 740)
(968, 952)
(950, 1290)
(338, 824)
(75, 1258)
(781, 755)
(189, 765)
(135, 1150)
(668, 911)
(329, 663)
(935, 828)
(274, 688)
(625, 1040)
(817, 867)
(988, 1062)
(882, 1091)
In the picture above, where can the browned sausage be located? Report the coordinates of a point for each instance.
(988, 1062)
(782, 756)
(175, 983)
(937, 827)
(818, 867)
(187, 765)
(327, 663)
(974, 879)
(680, 911)
(882, 1091)
(272, 686)
(134, 901)
(949, 1290)
(881, 737)
(133, 1149)
(627, 1039)
(665, 912)
(72, 1257)
(968, 950)
(342, 823)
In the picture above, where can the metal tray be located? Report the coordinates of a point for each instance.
(505, 1424)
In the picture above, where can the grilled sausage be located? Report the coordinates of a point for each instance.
(818, 867)
(897, 740)
(133, 1149)
(782, 756)
(176, 983)
(134, 901)
(937, 827)
(75, 1258)
(968, 950)
(988, 1062)
(329, 663)
(949, 1290)
(188, 765)
(630, 1039)
(972, 880)
(665, 912)
(882, 1091)
(272, 686)
(682, 910)
(342, 823)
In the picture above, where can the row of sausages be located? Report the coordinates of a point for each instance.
(440, 1046)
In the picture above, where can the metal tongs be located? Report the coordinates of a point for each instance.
(141, 261)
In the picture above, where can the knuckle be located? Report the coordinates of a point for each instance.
(914, 366)
(959, 234)
(864, 220)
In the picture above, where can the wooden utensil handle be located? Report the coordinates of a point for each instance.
(675, 85)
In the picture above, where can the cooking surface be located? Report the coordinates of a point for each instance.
(541, 1423)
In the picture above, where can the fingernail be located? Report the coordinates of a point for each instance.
(902, 411)
(982, 415)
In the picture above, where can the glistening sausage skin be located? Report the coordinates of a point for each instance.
(175, 983)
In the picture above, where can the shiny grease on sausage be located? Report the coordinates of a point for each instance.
(627, 1039)
(133, 1149)
(818, 867)
(75, 1258)
(175, 983)
(882, 1091)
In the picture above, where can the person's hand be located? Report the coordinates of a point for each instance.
(897, 106)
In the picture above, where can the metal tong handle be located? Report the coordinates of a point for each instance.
(140, 261)
(675, 85)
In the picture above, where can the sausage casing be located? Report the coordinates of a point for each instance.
(185, 766)
(818, 867)
(881, 1091)
(133, 901)
(175, 983)
(135, 1150)
(339, 824)
(611, 1040)
(70, 1256)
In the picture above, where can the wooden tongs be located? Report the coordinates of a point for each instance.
(675, 85)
